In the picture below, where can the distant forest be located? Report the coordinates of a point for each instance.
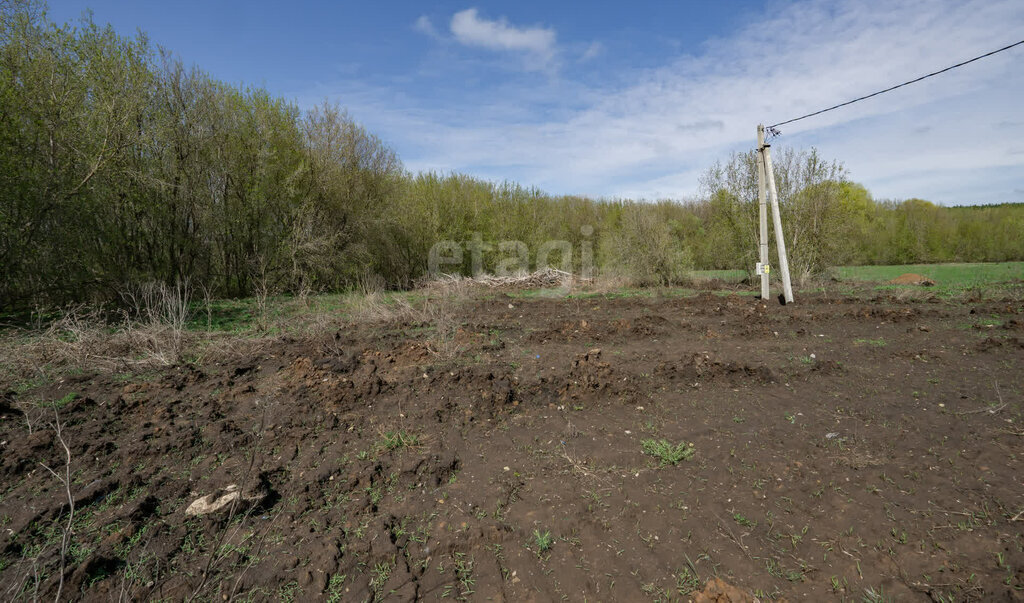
(121, 166)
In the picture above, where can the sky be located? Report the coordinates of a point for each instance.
(632, 99)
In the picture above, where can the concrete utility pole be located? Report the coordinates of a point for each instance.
(762, 211)
(764, 151)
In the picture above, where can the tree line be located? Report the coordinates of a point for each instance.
(119, 166)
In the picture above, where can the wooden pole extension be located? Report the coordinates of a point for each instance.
(773, 197)
(762, 214)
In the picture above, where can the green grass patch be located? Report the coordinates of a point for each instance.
(728, 276)
(68, 399)
(334, 588)
(951, 280)
(668, 453)
(393, 440)
(944, 275)
(543, 541)
(875, 343)
(282, 313)
(744, 521)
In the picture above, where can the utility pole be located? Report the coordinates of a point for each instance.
(762, 214)
(764, 151)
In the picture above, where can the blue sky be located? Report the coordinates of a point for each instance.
(633, 99)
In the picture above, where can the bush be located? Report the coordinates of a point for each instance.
(644, 250)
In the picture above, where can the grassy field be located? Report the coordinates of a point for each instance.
(285, 313)
(946, 276)
(241, 315)
(942, 274)
(729, 276)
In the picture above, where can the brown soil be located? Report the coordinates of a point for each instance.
(842, 447)
(912, 279)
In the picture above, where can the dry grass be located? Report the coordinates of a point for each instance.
(81, 341)
(377, 306)
(436, 308)
(152, 329)
(442, 316)
(607, 283)
(84, 340)
(148, 332)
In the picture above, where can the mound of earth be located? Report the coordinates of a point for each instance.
(912, 279)
(719, 591)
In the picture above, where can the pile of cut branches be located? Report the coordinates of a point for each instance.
(547, 277)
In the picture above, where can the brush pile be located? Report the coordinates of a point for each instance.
(548, 277)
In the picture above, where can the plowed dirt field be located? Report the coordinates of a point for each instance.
(838, 447)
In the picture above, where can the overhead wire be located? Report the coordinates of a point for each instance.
(891, 88)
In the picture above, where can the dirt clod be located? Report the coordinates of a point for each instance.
(910, 278)
(718, 591)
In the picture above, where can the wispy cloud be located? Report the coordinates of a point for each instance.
(425, 26)
(594, 50)
(652, 137)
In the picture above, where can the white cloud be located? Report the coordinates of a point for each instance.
(470, 29)
(652, 137)
(425, 26)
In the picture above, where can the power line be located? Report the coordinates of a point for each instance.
(951, 67)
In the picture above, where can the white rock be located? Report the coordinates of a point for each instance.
(212, 503)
